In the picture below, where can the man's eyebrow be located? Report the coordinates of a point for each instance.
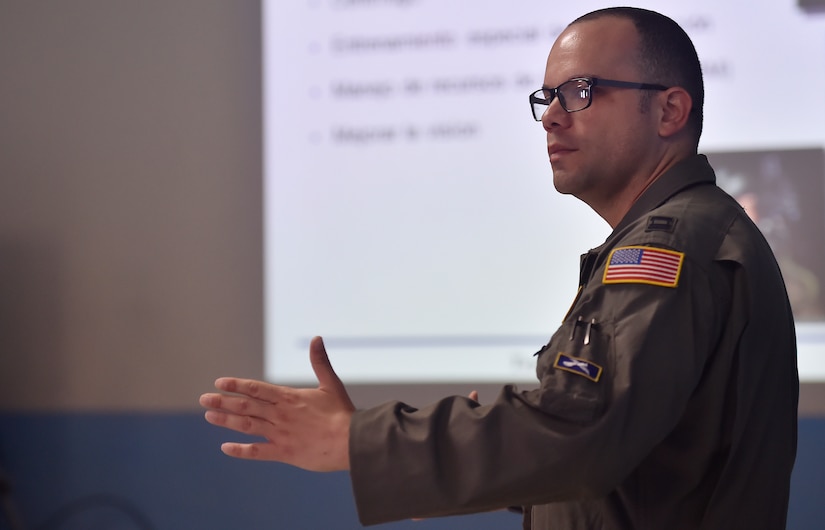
(576, 76)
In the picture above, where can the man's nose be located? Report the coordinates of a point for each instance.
(554, 115)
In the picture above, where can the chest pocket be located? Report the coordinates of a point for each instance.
(576, 370)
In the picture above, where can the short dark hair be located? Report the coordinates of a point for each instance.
(666, 55)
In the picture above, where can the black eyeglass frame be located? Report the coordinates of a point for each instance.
(591, 82)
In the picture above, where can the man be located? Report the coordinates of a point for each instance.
(668, 396)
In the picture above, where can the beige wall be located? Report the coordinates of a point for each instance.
(130, 205)
(130, 201)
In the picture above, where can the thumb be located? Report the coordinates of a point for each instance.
(323, 369)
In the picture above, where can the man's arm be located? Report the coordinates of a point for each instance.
(307, 428)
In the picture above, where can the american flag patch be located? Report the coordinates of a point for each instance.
(655, 266)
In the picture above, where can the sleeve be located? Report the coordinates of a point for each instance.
(614, 380)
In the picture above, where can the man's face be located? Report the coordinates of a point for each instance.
(596, 152)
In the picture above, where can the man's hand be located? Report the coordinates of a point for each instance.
(307, 428)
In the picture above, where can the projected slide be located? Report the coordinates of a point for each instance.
(410, 213)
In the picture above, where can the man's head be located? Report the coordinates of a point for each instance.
(665, 55)
(630, 116)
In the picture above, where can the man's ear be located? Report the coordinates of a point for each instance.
(674, 107)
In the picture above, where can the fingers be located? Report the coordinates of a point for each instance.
(251, 417)
(253, 451)
(239, 413)
(243, 424)
(250, 387)
(308, 428)
(327, 378)
(321, 365)
(474, 395)
(241, 405)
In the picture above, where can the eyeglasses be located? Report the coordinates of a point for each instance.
(577, 94)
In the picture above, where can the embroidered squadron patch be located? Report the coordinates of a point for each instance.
(578, 366)
(655, 266)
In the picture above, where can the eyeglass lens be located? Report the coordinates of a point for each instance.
(574, 95)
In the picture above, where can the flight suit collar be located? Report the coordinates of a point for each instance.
(685, 174)
(690, 172)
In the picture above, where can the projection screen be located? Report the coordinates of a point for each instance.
(410, 216)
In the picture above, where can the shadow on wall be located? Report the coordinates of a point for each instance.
(31, 294)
